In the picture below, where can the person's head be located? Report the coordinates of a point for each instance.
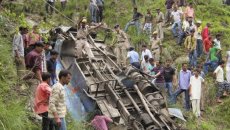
(144, 47)
(39, 46)
(35, 29)
(158, 10)
(190, 5)
(213, 43)
(21, 29)
(117, 27)
(131, 48)
(146, 57)
(218, 36)
(64, 77)
(83, 22)
(184, 66)
(53, 54)
(190, 21)
(155, 34)
(221, 63)
(208, 24)
(175, 8)
(151, 61)
(198, 23)
(46, 77)
(192, 31)
(158, 63)
(196, 72)
(168, 62)
(135, 9)
(148, 11)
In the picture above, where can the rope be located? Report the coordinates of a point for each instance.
(59, 12)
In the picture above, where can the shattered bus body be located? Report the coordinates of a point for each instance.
(126, 96)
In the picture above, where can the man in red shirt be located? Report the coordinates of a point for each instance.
(207, 44)
(205, 32)
(41, 101)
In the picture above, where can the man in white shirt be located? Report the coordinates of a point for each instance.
(176, 15)
(195, 92)
(223, 86)
(217, 42)
(187, 26)
(18, 50)
(133, 56)
(145, 51)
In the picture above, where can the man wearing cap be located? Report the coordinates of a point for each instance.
(155, 41)
(160, 21)
(135, 21)
(121, 45)
(81, 40)
(198, 30)
(190, 45)
(133, 57)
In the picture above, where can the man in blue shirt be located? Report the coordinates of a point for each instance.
(183, 85)
(133, 57)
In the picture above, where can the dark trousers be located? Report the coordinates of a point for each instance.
(49, 7)
(46, 122)
(222, 86)
(100, 14)
(199, 47)
(63, 5)
(186, 95)
(136, 64)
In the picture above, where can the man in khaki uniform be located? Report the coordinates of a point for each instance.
(121, 45)
(155, 42)
(81, 40)
(159, 22)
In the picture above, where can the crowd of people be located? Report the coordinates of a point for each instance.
(38, 57)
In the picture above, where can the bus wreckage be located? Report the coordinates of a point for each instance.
(124, 95)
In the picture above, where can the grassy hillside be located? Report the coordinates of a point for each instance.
(216, 117)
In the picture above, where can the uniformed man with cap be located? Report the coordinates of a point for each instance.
(81, 40)
(155, 41)
(159, 22)
(121, 45)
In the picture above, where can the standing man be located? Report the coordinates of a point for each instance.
(198, 30)
(18, 51)
(135, 21)
(160, 22)
(51, 66)
(189, 12)
(190, 45)
(177, 26)
(160, 80)
(228, 64)
(169, 75)
(213, 59)
(223, 86)
(81, 41)
(33, 37)
(42, 96)
(183, 83)
(148, 22)
(145, 51)
(100, 5)
(168, 4)
(155, 42)
(63, 4)
(121, 45)
(195, 92)
(93, 10)
(34, 60)
(133, 57)
(57, 105)
(50, 6)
